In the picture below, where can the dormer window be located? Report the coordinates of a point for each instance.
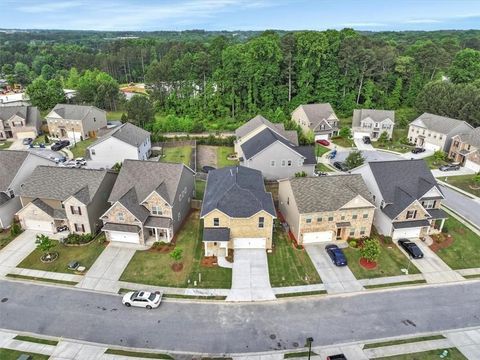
(120, 216)
(156, 210)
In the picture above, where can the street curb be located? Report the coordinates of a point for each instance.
(454, 188)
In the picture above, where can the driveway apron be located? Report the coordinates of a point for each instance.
(12, 254)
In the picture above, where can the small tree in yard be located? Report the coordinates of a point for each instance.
(383, 138)
(439, 155)
(45, 244)
(370, 250)
(176, 254)
(345, 132)
(354, 159)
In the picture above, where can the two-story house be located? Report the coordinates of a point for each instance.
(326, 208)
(149, 202)
(465, 149)
(267, 147)
(75, 122)
(19, 122)
(15, 168)
(237, 211)
(317, 118)
(58, 196)
(407, 198)
(435, 132)
(372, 123)
(127, 141)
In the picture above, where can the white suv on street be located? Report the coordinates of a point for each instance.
(149, 300)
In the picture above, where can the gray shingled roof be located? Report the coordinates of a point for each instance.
(327, 193)
(259, 120)
(4, 198)
(472, 138)
(216, 234)
(10, 163)
(54, 213)
(262, 140)
(158, 222)
(59, 183)
(410, 224)
(375, 115)
(127, 133)
(309, 153)
(438, 123)
(30, 114)
(73, 112)
(316, 113)
(236, 191)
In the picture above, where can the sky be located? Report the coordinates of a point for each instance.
(149, 15)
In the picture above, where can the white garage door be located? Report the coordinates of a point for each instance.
(38, 225)
(429, 146)
(409, 233)
(250, 243)
(26, 134)
(321, 137)
(316, 237)
(124, 237)
(360, 135)
(471, 165)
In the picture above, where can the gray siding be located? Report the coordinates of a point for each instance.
(8, 210)
(187, 181)
(99, 204)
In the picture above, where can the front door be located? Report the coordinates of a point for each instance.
(339, 233)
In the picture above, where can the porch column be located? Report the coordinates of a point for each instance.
(156, 234)
(441, 226)
(168, 235)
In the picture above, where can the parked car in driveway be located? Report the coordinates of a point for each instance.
(336, 254)
(59, 145)
(62, 228)
(81, 161)
(341, 166)
(367, 140)
(145, 299)
(27, 141)
(411, 248)
(323, 142)
(449, 167)
(418, 150)
(72, 164)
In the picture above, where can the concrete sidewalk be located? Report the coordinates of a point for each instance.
(467, 342)
(18, 249)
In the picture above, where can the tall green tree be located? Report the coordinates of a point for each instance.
(140, 111)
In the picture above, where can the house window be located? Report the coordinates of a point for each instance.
(319, 219)
(342, 217)
(92, 151)
(284, 163)
(288, 201)
(156, 210)
(300, 162)
(362, 231)
(272, 163)
(261, 222)
(216, 222)
(289, 162)
(308, 220)
(411, 214)
(120, 216)
(429, 204)
(365, 216)
(79, 228)
(75, 210)
(354, 217)
(11, 193)
(352, 232)
(382, 204)
(330, 218)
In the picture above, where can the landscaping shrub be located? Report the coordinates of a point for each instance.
(15, 229)
(77, 239)
(444, 229)
(352, 243)
(370, 250)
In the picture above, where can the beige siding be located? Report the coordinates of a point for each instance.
(156, 200)
(288, 207)
(79, 219)
(421, 213)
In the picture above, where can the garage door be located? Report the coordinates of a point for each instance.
(250, 243)
(38, 225)
(124, 237)
(321, 137)
(26, 134)
(472, 166)
(317, 237)
(409, 233)
(430, 146)
(360, 135)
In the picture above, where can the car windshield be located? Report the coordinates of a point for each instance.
(152, 296)
(134, 295)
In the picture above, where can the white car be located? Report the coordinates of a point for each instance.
(149, 300)
(72, 164)
(81, 161)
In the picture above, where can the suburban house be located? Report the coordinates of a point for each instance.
(372, 123)
(15, 168)
(149, 202)
(317, 118)
(237, 212)
(326, 208)
(275, 152)
(407, 198)
(435, 132)
(75, 122)
(465, 149)
(19, 122)
(127, 141)
(58, 196)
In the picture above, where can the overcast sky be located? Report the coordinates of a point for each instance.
(373, 15)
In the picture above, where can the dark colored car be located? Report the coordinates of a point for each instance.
(367, 140)
(341, 166)
(449, 167)
(62, 228)
(323, 142)
(206, 169)
(337, 357)
(418, 150)
(27, 141)
(336, 254)
(411, 248)
(60, 145)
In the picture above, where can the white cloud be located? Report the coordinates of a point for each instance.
(422, 21)
(364, 24)
(46, 7)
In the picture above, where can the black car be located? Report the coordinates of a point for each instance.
(336, 357)
(449, 167)
(367, 140)
(60, 145)
(418, 150)
(62, 228)
(336, 254)
(411, 248)
(206, 169)
(341, 166)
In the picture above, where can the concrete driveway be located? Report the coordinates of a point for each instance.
(250, 279)
(362, 146)
(18, 249)
(336, 279)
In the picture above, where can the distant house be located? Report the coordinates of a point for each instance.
(149, 202)
(14, 99)
(372, 123)
(124, 142)
(435, 132)
(237, 211)
(465, 149)
(267, 147)
(75, 122)
(407, 198)
(15, 169)
(19, 122)
(318, 118)
(58, 196)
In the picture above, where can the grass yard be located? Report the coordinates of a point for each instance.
(114, 115)
(79, 149)
(395, 144)
(179, 154)
(154, 268)
(138, 354)
(466, 183)
(340, 141)
(85, 255)
(320, 150)
(6, 354)
(288, 266)
(5, 238)
(222, 153)
(433, 163)
(403, 341)
(453, 354)
(200, 189)
(323, 168)
(5, 144)
(41, 140)
(390, 262)
(463, 253)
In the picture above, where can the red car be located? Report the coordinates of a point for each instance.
(323, 142)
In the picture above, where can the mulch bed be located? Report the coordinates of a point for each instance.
(177, 267)
(209, 261)
(369, 265)
(162, 248)
(441, 241)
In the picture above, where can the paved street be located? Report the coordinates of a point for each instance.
(461, 204)
(368, 155)
(209, 327)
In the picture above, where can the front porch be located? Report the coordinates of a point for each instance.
(437, 221)
(158, 229)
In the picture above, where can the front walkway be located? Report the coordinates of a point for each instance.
(250, 278)
(336, 279)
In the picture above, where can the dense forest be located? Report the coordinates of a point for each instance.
(213, 80)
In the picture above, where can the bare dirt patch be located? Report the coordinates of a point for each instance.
(206, 156)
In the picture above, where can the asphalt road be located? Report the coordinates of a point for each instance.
(233, 328)
(461, 204)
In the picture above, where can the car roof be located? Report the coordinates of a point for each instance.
(143, 294)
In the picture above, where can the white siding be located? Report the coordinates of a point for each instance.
(8, 210)
(112, 150)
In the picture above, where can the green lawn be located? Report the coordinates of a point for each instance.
(85, 255)
(79, 149)
(453, 354)
(41, 140)
(464, 252)
(5, 238)
(5, 144)
(114, 115)
(395, 144)
(179, 154)
(320, 150)
(154, 268)
(390, 262)
(222, 153)
(138, 354)
(288, 266)
(340, 141)
(200, 189)
(323, 167)
(466, 183)
(403, 341)
(433, 163)
(6, 354)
